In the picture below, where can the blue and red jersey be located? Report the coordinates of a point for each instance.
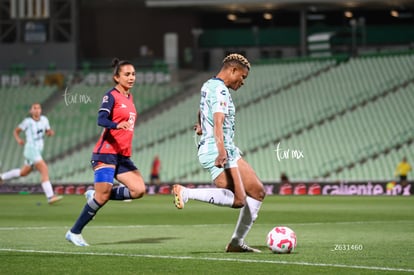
(119, 108)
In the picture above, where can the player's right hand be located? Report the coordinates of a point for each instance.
(197, 129)
(221, 160)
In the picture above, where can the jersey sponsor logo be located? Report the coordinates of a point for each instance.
(123, 106)
(223, 92)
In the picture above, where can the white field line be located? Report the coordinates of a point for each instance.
(7, 228)
(378, 268)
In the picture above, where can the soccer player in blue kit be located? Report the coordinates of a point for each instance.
(111, 155)
(237, 184)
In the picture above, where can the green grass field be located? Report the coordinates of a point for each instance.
(336, 235)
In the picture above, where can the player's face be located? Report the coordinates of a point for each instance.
(237, 76)
(126, 77)
(36, 110)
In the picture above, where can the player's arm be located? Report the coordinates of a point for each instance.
(219, 138)
(238, 187)
(104, 115)
(50, 132)
(106, 122)
(16, 134)
(197, 126)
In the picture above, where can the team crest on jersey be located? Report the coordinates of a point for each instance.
(131, 120)
(105, 99)
(223, 104)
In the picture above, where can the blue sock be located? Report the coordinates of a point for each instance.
(120, 193)
(86, 216)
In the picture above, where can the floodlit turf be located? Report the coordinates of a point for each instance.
(336, 235)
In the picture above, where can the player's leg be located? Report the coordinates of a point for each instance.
(26, 170)
(31, 156)
(134, 186)
(229, 192)
(403, 184)
(104, 177)
(252, 184)
(132, 183)
(11, 174)
(220, 196)
(41, 166)
(248, 214)
(16, 173)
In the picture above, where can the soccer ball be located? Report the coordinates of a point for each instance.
(281, 239)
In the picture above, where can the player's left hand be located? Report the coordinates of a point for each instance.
(125, 125)
(50, 133)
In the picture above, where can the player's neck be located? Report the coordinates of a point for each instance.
(122, 90)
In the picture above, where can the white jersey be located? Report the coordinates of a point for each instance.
(35, 131)
(216, 98)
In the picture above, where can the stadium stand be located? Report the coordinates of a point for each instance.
(347, 118)
(163, 134)
(73, 117)
(365, 123)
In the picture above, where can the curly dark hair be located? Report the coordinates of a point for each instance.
(236, 58)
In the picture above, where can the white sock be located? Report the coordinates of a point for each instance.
(14, 173)
(217, 196)
(247, 216)
(47, 188)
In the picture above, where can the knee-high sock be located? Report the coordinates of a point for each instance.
(14, 173)
(87, 214)
(247, 217)
(47, 188)
(216, 196)
(120, 193)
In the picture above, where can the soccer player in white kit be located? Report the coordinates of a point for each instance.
(236, 182)
(35, 128)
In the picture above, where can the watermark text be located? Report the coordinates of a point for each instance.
(288, 153)
(75, 98)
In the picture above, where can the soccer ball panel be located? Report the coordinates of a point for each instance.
(281, 239)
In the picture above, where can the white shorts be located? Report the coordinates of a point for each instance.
(32, 154)
(208, 159)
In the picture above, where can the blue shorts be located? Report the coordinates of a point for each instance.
(122, 164)
(208, 159)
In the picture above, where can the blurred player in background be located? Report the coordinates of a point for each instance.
(236, 182)
(155, 175)
(402, 170)
(111, 155)
(35, 128)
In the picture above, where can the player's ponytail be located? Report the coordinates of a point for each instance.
(117, 64)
